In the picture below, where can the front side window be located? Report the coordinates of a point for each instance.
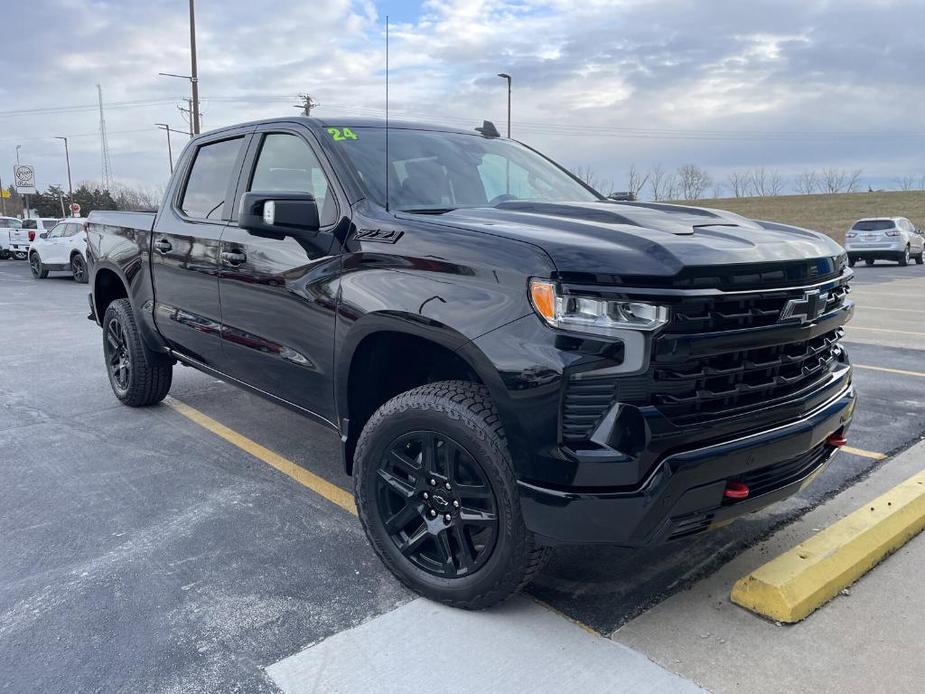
(287, 165)
(209, 179)
(57, 232)
(434, 170)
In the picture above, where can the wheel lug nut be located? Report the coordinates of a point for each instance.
(447, 485)
(433, 514)
(455, 504)
(447, 518)
(426, 496)
(433, 482)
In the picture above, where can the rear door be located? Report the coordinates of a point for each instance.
(278, 294)
(185, 245)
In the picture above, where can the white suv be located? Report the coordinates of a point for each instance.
(884, 238)
(63, 248)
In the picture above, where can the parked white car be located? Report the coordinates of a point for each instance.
(885, 238)
(14, 240)
(64, 248)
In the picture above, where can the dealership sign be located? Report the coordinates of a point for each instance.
(24, 179)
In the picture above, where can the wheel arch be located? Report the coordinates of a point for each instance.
(428, 352)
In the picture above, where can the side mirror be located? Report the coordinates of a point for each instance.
(43, 235)
(277, 214)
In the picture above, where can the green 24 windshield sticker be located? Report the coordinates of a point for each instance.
(342, 134)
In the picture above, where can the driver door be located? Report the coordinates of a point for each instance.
(278, 295)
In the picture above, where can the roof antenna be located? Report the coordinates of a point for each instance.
(387, 165)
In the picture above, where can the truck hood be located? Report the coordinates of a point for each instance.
(643, 239)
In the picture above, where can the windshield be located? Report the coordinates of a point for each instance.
(435, 171)
(874, 225)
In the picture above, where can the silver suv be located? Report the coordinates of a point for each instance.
(885, 238)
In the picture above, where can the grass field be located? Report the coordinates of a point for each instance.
(832, 214)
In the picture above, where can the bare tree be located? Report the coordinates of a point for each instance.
(657, 182)
(719, 189)
(905, 183)
(807, 182)
(766, 183)
(693, 181)
(854, 180)
(834, 180)
(635, 180)
(739, 183)
(589, 177)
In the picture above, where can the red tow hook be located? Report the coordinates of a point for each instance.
(838, 439)
(736, 490)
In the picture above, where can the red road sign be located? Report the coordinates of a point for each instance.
(75, 209)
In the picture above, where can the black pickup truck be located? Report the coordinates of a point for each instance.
(511, 360)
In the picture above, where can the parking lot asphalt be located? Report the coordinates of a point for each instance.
(140, 552)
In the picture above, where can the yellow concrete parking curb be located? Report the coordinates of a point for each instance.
(793, 585)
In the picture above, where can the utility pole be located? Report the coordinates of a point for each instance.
(194, 77)
(61, 199)
(18, 147)
(165, 126)
(308, 103)
(2, 199)
(67, 158)
(105, 162)
(506, 76)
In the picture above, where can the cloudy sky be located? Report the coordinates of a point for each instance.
(726, 84)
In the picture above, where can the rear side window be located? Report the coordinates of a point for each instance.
(209, 179)
(874, 225)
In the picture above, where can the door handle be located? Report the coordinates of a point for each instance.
(234, 257)
(163, 245)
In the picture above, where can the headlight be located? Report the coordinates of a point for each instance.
(588, 314)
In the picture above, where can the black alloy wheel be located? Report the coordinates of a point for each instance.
(118, 361)
(79, 268)
(436, 504)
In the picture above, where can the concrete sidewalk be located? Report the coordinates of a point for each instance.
(871, 638)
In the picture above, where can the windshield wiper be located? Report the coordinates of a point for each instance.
(429, 210)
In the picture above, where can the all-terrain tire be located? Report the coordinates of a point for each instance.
(147, 375)
(466, 413)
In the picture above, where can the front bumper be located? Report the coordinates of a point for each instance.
(684, 493)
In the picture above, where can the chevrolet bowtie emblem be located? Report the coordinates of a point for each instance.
(807, 309)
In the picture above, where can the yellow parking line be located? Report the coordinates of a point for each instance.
(884, 330)
(901, 372)
(864, 454)
(801, 580)
(317, 484)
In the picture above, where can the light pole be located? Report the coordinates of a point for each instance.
(18, 147)
(506, 76)
(166, 127)
(194, 77)
(67, 158)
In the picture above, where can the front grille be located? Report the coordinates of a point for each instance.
(726, 381)
(714, 314)
(723, 384)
